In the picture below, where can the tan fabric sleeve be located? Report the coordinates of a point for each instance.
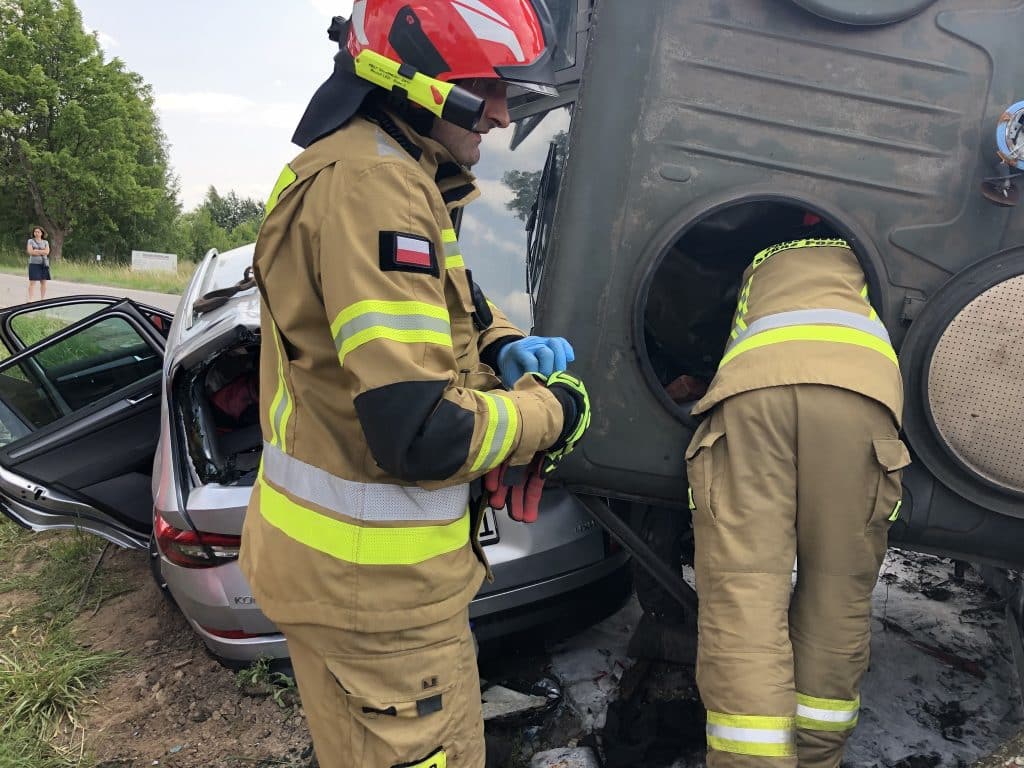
(500, 328)
(423, 419)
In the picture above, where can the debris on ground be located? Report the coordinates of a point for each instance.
(1009, 755)
(921, 707)
(580, 757)
(502, 704)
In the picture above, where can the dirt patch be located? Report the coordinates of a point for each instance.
(174, 705)
(1010, 755)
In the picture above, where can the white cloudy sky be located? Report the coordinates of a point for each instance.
(231, 79)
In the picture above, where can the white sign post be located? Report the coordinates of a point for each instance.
(143, 260)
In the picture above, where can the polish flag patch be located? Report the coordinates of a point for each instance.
(411, 250)
(403, 252)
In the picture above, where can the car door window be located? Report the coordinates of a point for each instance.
(66, 376)
(33, 325)
(497, 233)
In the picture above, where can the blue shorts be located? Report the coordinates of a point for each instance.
(38, 272)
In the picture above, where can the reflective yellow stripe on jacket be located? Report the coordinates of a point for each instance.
(828, 325)
(452, 250)
(374, 537)
(408, 322)
(502, 423)
(281, 405)
(757, 735)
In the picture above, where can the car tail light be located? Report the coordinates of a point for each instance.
(192, 549)
(235, 634)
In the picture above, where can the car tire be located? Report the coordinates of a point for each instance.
(668, 533)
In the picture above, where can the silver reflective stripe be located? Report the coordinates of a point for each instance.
(386, 319)
(452, 248)
(751, 735)
(372, 502)
(813, 317)
(500, 419)
(278, 415)
(826, 715)
(385, 147)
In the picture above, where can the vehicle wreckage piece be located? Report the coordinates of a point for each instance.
(671, 580)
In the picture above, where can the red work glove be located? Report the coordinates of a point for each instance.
(519, 488)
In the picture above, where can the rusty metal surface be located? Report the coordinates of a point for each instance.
(976, 385)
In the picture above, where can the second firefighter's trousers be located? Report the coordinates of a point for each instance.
(804, 473)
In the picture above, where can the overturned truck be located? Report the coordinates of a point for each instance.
(704, 131)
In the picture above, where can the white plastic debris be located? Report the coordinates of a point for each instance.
(580, 757)
(499, 701)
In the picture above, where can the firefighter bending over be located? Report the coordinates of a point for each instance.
(798, 458)
(378, 389)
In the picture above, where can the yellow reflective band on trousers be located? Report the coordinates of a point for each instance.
(407, 322)
(757, 735)
(281, 406)
(502, 423)
(830, 333)
(437, 760)
(896, 512)
(452, 251)
(284, 181)
(361, 545)
(815, 714)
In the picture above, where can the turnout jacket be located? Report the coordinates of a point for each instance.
(804, 317)
(376, 406)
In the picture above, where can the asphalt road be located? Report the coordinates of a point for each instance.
(14, 290)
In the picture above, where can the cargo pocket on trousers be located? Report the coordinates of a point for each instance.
(699, 469)
(892, 456)
(403, 701)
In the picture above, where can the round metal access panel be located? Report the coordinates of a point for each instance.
(976, 385)
(865, 12)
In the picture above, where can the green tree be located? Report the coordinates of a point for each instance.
(524, 184)
(231, 210)
(221, 222)
(79, 135)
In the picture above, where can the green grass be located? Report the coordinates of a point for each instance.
(258, 677)
(45, 675)
(15, 262)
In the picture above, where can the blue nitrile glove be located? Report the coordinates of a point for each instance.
(533, 354)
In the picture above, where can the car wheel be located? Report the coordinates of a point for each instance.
(667, 532)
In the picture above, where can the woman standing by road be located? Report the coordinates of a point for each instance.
(38, 262)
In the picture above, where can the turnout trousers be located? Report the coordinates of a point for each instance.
(805, 473)
(407, 698)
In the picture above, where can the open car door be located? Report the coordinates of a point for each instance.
(23, 325)
(79, 424)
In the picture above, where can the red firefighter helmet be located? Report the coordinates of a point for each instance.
(511, 40)
(419, 47)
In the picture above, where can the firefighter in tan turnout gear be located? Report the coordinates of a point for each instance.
(797, 459)
(379, 383)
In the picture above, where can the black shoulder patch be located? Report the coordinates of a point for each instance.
(402, 252)
(413, 432)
